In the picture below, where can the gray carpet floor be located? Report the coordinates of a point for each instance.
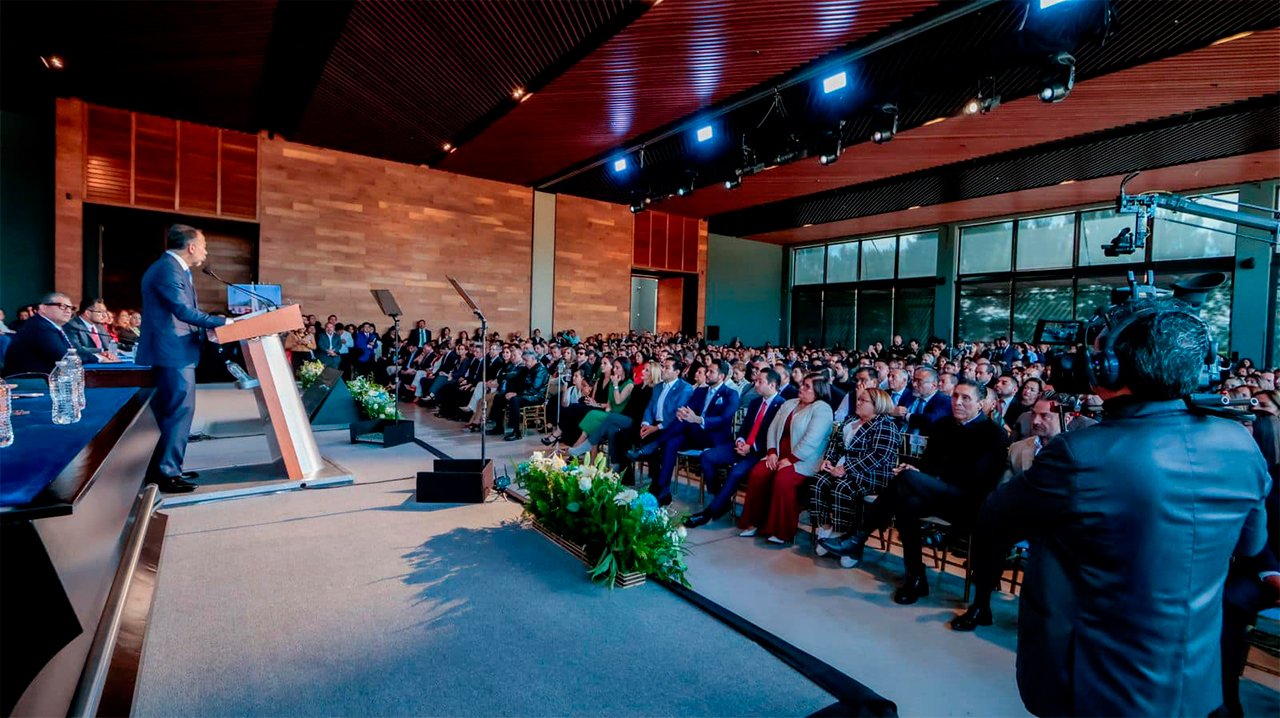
(357, 601)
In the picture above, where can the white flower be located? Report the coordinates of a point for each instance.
(588, 471)
(537, 456)
(557, 462)
(584, 483)
(681, 532)
(625, 497)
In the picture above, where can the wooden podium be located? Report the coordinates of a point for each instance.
(288, 429)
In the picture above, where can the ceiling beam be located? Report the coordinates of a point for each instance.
(303, 36)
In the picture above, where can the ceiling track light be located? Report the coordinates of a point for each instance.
(834, 145)
(986, 100)
(885, 124)
(733, 182)
(686, 188)
(1060, 78)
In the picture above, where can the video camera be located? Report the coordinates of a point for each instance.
(1079, 367)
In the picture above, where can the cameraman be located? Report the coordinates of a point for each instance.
(1133, 523)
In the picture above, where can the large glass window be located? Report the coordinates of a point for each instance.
(806, 316)
(983, 311)
(1216, 310)
(807, 267)
(1043, 299)
(1094, 293)
(875, 312)
(878, 258)
(918, 255)
(1192, 237)
(913, 313)
(1099, 228)
(986, 248)
(838, 317)
(1046, 242)
(842, 262)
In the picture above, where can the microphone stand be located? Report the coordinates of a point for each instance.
(484, 353)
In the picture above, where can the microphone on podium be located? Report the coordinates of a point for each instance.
(240, 288)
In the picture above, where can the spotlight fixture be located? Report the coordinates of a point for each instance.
(52, 62)
(833, 145)
(636, 207)
(986, 100)
(448, 147)
(1060, 78)
(686, 188)
(620, 165)
(838, 81)
(733, 182)
(517, 93)
(704, 133)
(885, 124)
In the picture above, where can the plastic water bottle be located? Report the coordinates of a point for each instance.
(77, 372)
(6, 421)
(63, 394)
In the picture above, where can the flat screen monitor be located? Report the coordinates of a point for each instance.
(241, 302)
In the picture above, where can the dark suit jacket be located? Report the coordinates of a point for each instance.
(789, 392)
(717, 422)
(762, 435)
(677, 397)
(36, 347)
(971, 457)
(1133, 522)
(937, 411)
(172, 323)
(81, 335)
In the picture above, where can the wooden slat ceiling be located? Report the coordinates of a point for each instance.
(1251, 167)
(680, 57)
(1205, 78)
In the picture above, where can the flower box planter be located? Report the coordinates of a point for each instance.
(623, 580)
(382, 431)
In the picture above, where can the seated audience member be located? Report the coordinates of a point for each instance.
(456, 393)
(1032, 390)
(1007, 405)
(928, 407)
(329, 346)
(797, 439)
(578, 404)
(530, 389)
(126, 328)
(300, 345)
(41, 342)
(495, 368)
(445, 363)
(415, 370)
(620, 443)
(1045, 422)
(347, 335)
(739, 458)
(864, 377)
(673, 393)
(947, 383)
(898, 386)
(86, 330)
(859, 461)
(788, 390)
(962, 463)
(704, 422)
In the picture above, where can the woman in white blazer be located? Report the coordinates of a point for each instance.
(797, 440)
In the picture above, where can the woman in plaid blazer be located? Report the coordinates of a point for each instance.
(859, 461)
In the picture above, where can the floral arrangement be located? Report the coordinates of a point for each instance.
(309, 373)
(374, 400)
(586, 504)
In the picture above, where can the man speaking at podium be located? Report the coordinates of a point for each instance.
(172, 328)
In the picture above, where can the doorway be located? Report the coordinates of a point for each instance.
(665, 302)
(644, 304)
(121, 242)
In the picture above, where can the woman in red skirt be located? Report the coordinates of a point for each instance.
(797, 439)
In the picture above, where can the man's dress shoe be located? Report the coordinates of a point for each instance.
(971, 619)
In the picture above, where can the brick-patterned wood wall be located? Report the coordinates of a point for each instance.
(593, 266)
(335, 225)
(68, 181)
(670, 304)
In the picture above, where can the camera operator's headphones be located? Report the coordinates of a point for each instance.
(1102, 366)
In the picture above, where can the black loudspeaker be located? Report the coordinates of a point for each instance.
(455, 481)
(713, 332)
(329, 403)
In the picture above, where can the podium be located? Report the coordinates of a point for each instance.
(288, 428)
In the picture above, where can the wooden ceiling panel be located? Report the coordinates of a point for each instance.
(680, 57)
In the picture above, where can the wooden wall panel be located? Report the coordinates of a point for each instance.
(670, 304)
(239, 178)
(198, 169)
(68, 180)
(155, 162)
(335, 225)
(108, 155)
(666, 242)
(643, 228)
(594, 250)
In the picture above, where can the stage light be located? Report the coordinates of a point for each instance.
(1061, 77)
(733, 183)
(832, 144)
(683, 191)
(704, 133)
(620, 165)
(636, 207)
(986, 100)
(886, 124)
(517, 93)
(972, 106)
(52, 62)
(838, 81)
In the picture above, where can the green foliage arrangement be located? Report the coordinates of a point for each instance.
(309, 373)
(374, 400)
(586, 504)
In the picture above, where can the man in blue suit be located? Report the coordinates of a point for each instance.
(923, 407)
(660, 414)
(42, 341)
(172, 328)
(743, 454)
(705, 421)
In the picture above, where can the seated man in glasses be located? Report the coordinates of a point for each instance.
(42, 342)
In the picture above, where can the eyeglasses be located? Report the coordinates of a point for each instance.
(61, 305)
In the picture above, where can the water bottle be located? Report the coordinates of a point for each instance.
(77, 372)
(6, 422)
(62, 393)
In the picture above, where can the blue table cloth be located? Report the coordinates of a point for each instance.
(42, 449)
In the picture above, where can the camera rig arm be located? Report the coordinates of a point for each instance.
(1145, 204)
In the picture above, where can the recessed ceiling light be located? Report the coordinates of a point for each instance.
(1230, 38)
(809, 225)
(1067, 182)
(517, 93)
(934, 121)
(448, 147)
(52, 62)
(914, 206)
